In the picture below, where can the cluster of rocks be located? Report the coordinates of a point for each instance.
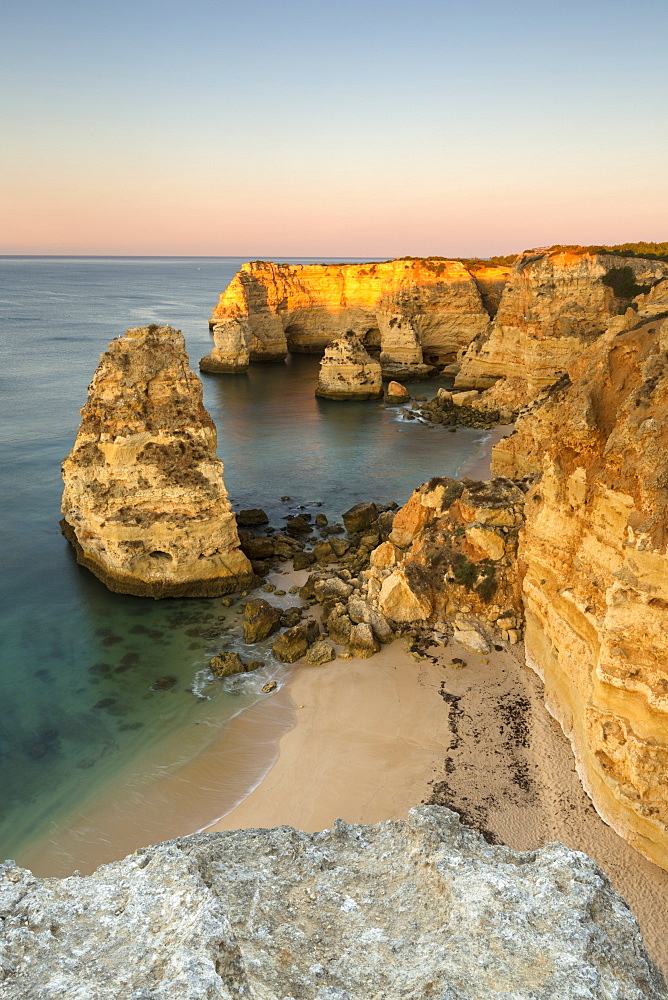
(452, 554)
(458, 409)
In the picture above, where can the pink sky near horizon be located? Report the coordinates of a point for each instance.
(382, 132)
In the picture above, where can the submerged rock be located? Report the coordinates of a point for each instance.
(144, 503)
(347, 371)
(399, 909)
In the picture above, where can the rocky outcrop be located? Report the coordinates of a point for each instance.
(595, 552)
(144, 503)
(554, 305)
(347, 371)
(452, 550)
(405, 909)
(410, 311)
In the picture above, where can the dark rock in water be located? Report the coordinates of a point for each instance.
(104, 703)
(285, 499)
(321, 520)
(260, 620)
(111, 640)
(228, 664)
(257, 546)
(291, 617)
(302, 560)
(290, 646)
(252, 517)
(269, 687)
(361, 516)
(298, 525)
(165, 683)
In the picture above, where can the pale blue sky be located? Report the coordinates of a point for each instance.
(350, 128)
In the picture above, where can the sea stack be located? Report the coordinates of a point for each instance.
(144, 503)
(231, 355)
(347, 371)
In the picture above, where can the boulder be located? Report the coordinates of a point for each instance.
(362, 642)
(291, 645)
(360, 517)
(227, 664)
(320, 652)
(260, 620)
(396, 393)
(251, 518)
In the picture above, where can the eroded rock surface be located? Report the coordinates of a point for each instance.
(452, 550)
(553, 306)
(144, 503)
(399, 909)
(411, 311)
(596, 559)
(347, 371)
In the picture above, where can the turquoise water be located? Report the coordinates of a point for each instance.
(78, 664)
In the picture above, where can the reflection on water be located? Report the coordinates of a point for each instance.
(98, 687)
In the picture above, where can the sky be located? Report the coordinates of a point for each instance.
(357, 129)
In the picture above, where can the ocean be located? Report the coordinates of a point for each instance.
(81, 710)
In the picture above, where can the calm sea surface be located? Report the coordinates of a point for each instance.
(78, 664)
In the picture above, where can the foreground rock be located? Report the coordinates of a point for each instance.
(596, 558)
(415, 313)
(347, 371)
(407, 909)
(144, 504)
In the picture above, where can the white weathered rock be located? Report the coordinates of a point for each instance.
(423, 908)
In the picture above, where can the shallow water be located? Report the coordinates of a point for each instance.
(78, 664)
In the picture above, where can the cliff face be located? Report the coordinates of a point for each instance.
(347, 371)
(144, 503)
(411, 311)
(553, 306)
(407, 909)
(596, 558)
(452, 550)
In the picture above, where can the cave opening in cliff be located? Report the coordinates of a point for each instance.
(372, 341)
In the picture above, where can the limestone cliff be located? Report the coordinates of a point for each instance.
(144, 503)
(452, 550)
(553, 306)
(415, 909)
(410, 311)
(347, 371)
(595, 552)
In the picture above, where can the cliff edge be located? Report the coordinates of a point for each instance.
(594, 552)
(399, 909)
(410, 311)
